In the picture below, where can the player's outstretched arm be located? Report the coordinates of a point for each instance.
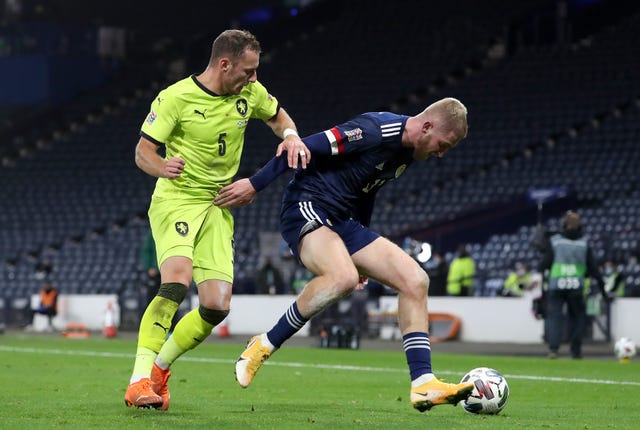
(243, 191)
(282, 125)
(239, 193)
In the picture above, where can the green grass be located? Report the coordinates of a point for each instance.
(54, 382)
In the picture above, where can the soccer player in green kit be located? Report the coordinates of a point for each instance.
(201, 121)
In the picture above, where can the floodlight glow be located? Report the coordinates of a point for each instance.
(425, 254)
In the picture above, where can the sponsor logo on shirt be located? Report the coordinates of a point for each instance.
(151, 117)
(355, 134)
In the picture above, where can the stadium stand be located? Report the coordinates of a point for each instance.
(543, 115)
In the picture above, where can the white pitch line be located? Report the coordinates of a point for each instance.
(309, 365)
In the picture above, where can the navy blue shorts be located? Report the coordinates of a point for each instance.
(304, 217)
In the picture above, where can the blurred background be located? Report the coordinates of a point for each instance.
(552, 88)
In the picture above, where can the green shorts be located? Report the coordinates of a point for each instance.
(197, 230)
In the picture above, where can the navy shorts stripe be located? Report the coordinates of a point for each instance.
(295, 216)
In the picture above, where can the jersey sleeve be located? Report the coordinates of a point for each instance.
(265, 106)
(317, 144)
(355, 135)
(161, 119)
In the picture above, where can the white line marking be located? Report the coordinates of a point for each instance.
(311, 365)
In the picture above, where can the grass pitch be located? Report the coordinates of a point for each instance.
(55, 382)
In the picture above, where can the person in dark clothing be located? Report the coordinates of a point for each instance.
(569, 261)
(437, 269)
(325, 217)
(269, 280)
(48, 303)
(149, 262)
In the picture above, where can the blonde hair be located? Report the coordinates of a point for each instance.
(451, 115)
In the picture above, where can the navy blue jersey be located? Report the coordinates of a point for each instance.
(350, 163)
(365, 153)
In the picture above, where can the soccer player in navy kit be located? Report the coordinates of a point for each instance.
(326, 210)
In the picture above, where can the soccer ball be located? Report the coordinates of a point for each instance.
(625, 349)
(490, 394)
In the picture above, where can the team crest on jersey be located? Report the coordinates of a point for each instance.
(151, 117)
(242, 107)
(355, 134)
(182, 228)
(400, 170)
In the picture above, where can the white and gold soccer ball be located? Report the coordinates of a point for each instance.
(625, 349)
(490, 392)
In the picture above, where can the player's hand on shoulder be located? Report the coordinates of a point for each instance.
(295, 148)
(173, 167)
(238, 193)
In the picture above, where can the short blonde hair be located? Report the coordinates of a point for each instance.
(452, 115)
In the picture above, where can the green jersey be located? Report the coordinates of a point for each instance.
(206, 130)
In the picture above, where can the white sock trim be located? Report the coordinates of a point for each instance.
(266, 342)
(161, 364)
(422, 379)
(136, 378)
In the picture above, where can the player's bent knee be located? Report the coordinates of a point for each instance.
(417, 286)
(212, 316)
(341, 280)
(347, 283)
(426, 283)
